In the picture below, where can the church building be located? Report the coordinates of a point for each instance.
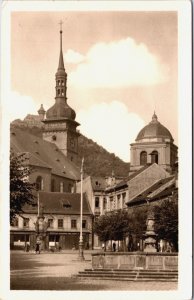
(153, 144)
(52, 159)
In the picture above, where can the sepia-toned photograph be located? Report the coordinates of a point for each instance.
(94, 123)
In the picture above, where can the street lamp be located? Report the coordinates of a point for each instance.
(81, 251)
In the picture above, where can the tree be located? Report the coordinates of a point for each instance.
(166, 221)
(138, 217)
(21, 190)
(113, 226)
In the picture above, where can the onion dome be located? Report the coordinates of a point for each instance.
(41, 110)
(154, 130)
(61, 110)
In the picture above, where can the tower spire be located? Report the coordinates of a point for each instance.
(61, 62)
(61, 76)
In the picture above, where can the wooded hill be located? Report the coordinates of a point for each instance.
(97, 160)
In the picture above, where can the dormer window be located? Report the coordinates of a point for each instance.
(66, 204)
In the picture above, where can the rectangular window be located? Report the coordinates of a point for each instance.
(97, 202)
(84, 224)
(50, 223)
(124, 198)
(104, 203)
(60, 223)
(73, 223)
(26, 222)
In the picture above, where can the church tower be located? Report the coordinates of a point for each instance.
(60, 124)
(154, 144)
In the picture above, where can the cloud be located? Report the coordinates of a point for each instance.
(73, 57)
(111, 126)
(119, 64)
(17, 106)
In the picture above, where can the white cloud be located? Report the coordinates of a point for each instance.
(73, 57)
(119, 64)
(111, 126)
(17, 106)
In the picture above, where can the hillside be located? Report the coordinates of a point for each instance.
(97, 161)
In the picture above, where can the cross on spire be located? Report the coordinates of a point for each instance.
(61, 23)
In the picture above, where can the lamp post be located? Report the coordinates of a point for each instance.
(81, 252)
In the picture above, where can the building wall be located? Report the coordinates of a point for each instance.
(45, 174)
(64, 136)
(21, 235)
(167, 153)
(62, 184)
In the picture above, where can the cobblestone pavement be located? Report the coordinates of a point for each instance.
(55, 271)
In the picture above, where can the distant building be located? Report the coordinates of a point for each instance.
(154, 144)
(152, 176)
(62, 213)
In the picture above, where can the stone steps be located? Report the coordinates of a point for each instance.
(130, 275)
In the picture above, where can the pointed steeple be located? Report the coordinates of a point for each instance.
(61, 62)
(61, 76)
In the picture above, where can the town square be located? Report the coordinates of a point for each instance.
(95, 159)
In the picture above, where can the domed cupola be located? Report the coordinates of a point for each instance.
(154, 144)
(154, 131)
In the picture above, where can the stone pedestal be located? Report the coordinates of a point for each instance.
(150, 241)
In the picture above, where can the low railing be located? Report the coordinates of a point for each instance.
(135, 260)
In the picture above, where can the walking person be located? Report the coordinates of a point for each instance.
(114, 246)
(37, 249)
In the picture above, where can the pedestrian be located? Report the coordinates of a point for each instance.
(161, 243)
(37, 249)
(114, 246)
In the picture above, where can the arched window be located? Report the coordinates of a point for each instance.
(52, 185)
(154, 157)
(39, 183)
(58, 91)
(143, 158)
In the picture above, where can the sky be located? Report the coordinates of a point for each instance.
(121, 67)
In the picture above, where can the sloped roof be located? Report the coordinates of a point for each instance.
(154, 130)
(159, 189)
(60, 203)
(123, 183)
(98, 183)
(43, 154)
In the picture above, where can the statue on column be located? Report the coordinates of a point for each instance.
(150, 235)
(40, 228)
